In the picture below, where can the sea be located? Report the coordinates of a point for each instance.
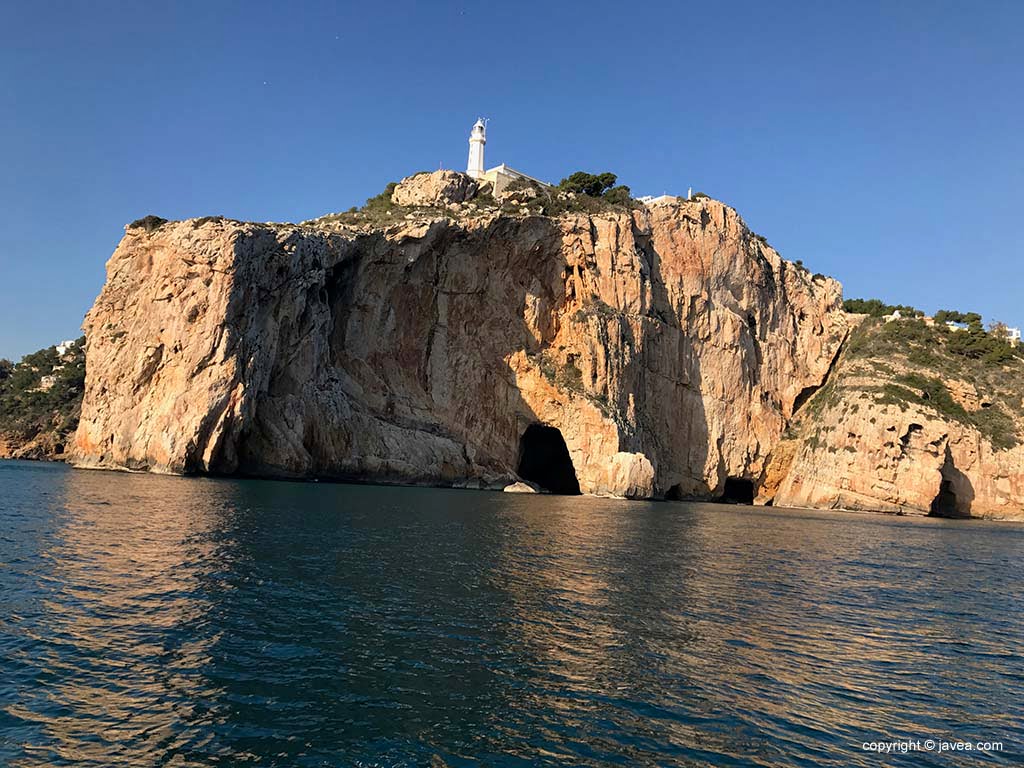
(165, 621)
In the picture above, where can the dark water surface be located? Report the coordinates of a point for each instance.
(154, 621)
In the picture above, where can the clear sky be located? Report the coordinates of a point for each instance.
(878, 142)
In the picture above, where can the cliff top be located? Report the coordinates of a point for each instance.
(427, 197)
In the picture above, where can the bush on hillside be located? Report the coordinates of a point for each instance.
(620, 195)
(590, 184)
(149, 223)
(969, 319)
(381, 202)
(877, 308)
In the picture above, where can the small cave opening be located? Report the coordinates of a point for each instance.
(675, 493)
(544, 459)
(804, 396)
(911, 430)
(944, 504)
(737, 491)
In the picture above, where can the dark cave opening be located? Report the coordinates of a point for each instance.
(944, 504)
(955, 491)
(804, 396)
(675, 493)
(544, 459)
(737, 491)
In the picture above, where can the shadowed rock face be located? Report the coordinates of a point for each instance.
(666, 345)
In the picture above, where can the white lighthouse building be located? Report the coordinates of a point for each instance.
(477, 139)
(500, 175)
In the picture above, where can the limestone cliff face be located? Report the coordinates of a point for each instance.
(668, 345)
(903, 427)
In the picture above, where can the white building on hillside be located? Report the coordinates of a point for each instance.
(500, 176)
(1013, 336)
(658, 199)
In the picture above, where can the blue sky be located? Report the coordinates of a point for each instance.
(879, 143)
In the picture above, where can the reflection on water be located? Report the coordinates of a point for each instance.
(185, 622)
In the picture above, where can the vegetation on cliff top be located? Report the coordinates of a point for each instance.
(41, 398)
(918, 363)
(149, 223)
(877, 308)
(580, 192)
(583, 192)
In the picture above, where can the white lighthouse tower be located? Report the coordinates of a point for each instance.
(477, 139)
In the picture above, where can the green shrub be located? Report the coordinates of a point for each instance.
(969, 319)
(590, 184)
(619, 195)
(597, 308)
(877, 308)
(149, 223)
(519, 184)
(934, 394)
(974, 343)
(382, 202)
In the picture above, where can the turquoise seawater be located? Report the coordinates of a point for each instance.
(158, 621)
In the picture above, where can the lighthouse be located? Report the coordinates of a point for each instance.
(477, 139)
(500, 176)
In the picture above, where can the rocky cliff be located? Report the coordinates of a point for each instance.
(635, 351)
(910, 422)
(440, 336)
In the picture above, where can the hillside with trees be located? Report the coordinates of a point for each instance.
(40, 402)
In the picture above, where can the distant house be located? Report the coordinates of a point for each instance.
(658, 200)
(896, 315)
(1013, 336)
(64, 346)
(46, 383)
(955, 326)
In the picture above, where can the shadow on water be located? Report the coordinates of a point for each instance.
(165, 621)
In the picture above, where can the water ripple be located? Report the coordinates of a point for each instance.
(194, 622)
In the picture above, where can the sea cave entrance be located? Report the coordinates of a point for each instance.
(737, 491)
(544, 459)
(944, 504)
(955, 491)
